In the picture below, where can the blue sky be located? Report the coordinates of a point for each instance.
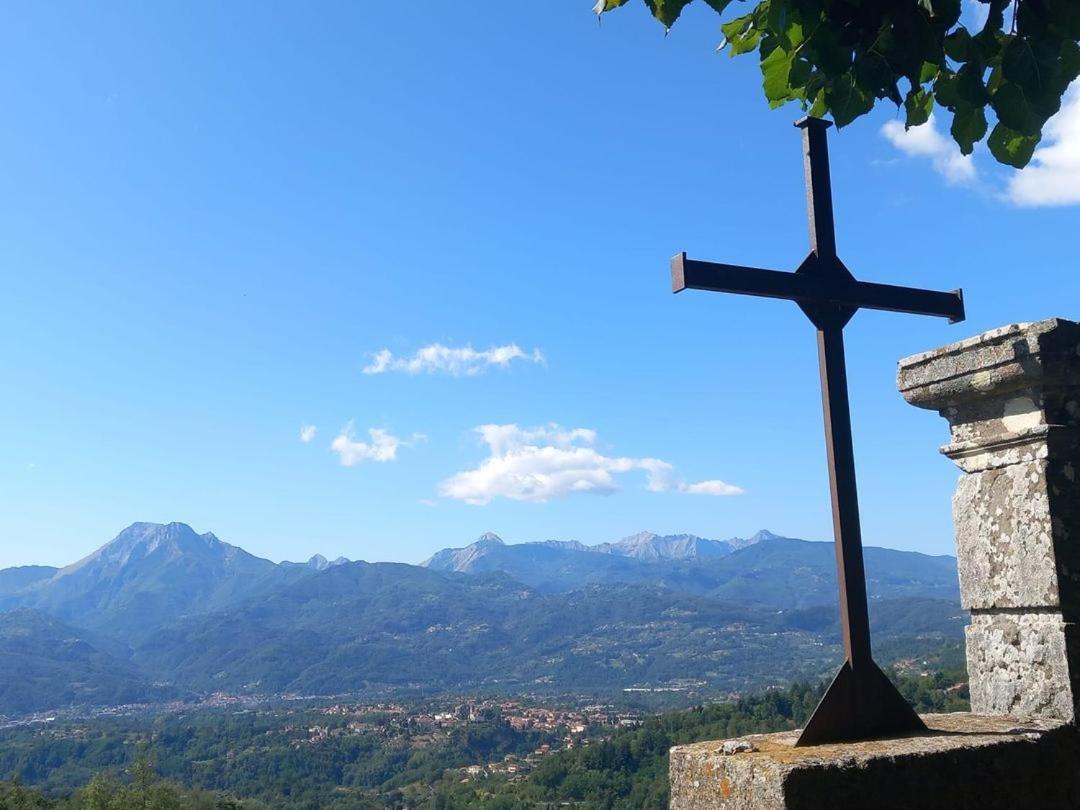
(214, 217)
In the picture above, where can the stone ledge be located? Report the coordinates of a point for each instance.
(966, 761)
(994, 362)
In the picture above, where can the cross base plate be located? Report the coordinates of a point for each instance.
(861, 703)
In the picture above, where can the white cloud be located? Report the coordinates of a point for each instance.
(541, 463)
(383, 446)
(713, 487)
(928, 142)
(458, 362)
(1053, 176)
(307, 433)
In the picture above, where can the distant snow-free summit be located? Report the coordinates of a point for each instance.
(646, 546)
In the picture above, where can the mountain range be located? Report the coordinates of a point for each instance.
(163, 611)
(489, 549)
(764, 569)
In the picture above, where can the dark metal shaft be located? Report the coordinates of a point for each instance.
(818, 186)
(860, 703)
(854, 617)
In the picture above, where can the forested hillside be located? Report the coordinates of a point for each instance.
(311, 760)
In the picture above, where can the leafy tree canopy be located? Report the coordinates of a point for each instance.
(840, 57)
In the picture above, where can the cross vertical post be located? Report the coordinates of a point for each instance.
(860, 703)
(818, 187)
(851, 578)
(839, 447)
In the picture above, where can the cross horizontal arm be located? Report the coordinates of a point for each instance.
(817, 288)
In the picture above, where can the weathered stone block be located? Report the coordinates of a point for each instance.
(966, 762)
(1018, 664)
(1004, 538)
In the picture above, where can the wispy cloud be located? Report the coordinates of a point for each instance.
(1053, 176)
(541, 463)
(382, 446)
(307, 433)
(463, 361)
(927, 141)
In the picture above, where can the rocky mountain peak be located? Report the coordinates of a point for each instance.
(317, 562)
(759, 536)
(463, 559)
(651, 546)
(141, 540)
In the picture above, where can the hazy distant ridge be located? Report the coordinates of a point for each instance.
(641, 546)
(763, 569)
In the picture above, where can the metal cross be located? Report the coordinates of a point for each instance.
(860, 703)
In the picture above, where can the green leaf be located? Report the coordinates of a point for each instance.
(776, 72)
(969, 84)
(746, 43)
(667, 11)
(820, 107)
(946, 13)
(741, 35)
(776, 16)
(1064, 18)
(847, 101)
(988, 43)
(958, 45)
(798, 78)
(841, 57)
(760, 13)
(793, 35)
(995, 17)
(874, 74)
(968, 127)
(1011, 147)
(814, 84)
(718, 5)
(945, 90)
(736, 29)
(1070, 61)
(918, 105)
(1018, 64)
(608, 5)
(1015, 110)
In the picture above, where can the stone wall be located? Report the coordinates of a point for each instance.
(966, 762)
(1012, 400)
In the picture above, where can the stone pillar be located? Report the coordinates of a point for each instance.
(1012, 400)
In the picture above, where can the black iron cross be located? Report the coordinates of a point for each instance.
(861, 703)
